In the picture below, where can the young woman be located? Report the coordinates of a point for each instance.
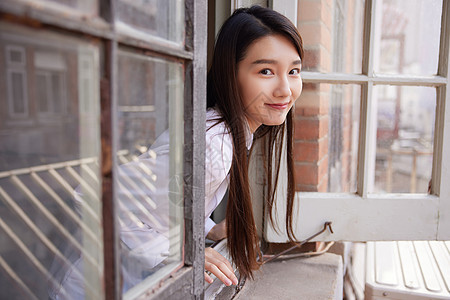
(253, 83)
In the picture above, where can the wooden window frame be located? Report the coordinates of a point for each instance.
(188, 280)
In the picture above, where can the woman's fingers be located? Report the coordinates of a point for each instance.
(220, 272)
(219, 266)
(208, 278)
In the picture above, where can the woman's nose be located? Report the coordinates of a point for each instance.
(283, 89)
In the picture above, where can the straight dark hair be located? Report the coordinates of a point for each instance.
(245, 27)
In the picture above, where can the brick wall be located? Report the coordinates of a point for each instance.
(312, 109)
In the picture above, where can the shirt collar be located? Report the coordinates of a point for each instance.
(248, 133)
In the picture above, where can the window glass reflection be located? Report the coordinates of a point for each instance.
(332, 35)
(409, 37)
(85, 7)
(164, 19)
(50, 228)
(326, 137)
(149, 185)
(405, 136)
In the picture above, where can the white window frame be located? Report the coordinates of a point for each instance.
(365, 216)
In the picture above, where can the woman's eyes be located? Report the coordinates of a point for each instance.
(266, 72)
(295, 71)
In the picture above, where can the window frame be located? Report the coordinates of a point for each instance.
(51, 111)
(17, 68)
(368, 217)
(189, 278)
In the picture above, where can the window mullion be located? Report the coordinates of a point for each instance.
(441, 162)
(47, 14)
(152, 43)
(108, 102)
(333, 78)
(110, 235)
(366, 149)
(195, 116)
(443, 65)
(367, 140)
(368, 38)
(344, 78)
(441, 159)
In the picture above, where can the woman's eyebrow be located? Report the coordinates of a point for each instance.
(264, 61)
(273, 62)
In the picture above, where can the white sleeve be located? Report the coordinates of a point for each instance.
(218, 157)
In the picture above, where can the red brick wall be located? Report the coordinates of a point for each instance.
(311, 109)
(311, 140)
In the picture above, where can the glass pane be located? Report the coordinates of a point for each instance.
(409, 40)
(332, 35)
(150, 183)
(17, 91)
(326, 137)
(16, 56)
(41, 94)
(57, 89)
(50, 223)
(405, 135)
(86, 7)
(164, 19)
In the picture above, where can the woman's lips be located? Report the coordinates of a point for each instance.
(279, 106)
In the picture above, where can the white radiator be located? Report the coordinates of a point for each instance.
(407, 270)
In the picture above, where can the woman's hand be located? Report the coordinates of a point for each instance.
(218, 232)
(219, 266)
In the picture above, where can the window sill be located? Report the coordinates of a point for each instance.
(319, 277)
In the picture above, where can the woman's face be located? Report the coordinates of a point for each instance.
(269, 80)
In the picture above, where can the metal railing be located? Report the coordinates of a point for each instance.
(68, 192)
(16, 195)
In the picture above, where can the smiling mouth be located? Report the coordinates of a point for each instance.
(280, 106)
